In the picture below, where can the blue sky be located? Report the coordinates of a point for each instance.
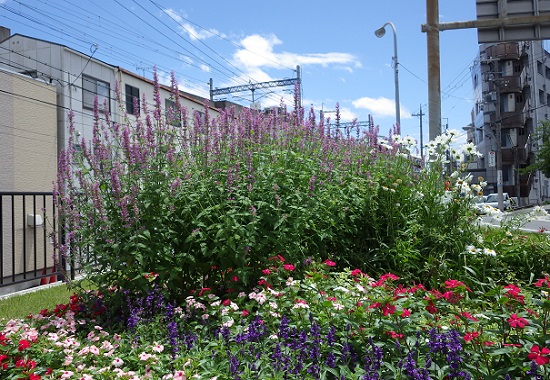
(242, 41)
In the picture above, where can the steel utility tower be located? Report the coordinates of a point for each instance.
(254, 86)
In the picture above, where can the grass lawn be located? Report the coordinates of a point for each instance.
(31, 302)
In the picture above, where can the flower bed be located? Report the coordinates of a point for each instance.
(330, 324)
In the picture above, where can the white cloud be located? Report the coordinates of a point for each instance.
(205, 68)
(258, 52)
(191, 31)
(381, 107)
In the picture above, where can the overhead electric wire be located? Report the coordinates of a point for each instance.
(59, 19)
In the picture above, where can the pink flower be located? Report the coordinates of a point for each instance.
(117, 362)
(158, 348)
(288, 267)
(329, 263)
(405, 313)
(266, 272)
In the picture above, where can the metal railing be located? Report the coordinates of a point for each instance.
(28, 252)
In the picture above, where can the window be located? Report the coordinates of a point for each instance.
(539, 67)
(132, 100)
(173, 115)
(519, 98)
(542, 97)
(91, 88)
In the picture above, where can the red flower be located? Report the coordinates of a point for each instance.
(470, 336)
(356, 272)
(278, 257)
(22, 363)
(543, 281)
(288, 267)
(388, 309)
(452, 284)
(517, 322)
(511, 345)
(34, 376)
(513, 292)
(266, 272)
(3, 357)
(244, 313)
(465, 314)
(226, 302)
(431, 308)
(3, 339)
(389, 276)
(538, 355)
(394, 335)
(203, 290)
(23, 345)
(329, 263)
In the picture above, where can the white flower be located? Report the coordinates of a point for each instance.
(410, 141)
(144, 356)
(341, 289)
(538, 211)
(117, 362)
(473, 250)
(489, 252)
(228, 323)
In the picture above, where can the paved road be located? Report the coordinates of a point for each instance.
(535, 225)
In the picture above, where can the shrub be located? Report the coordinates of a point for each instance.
(208, 204)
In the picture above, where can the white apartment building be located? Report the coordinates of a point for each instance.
(511, 82)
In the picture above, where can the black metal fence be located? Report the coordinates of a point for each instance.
(28, 253)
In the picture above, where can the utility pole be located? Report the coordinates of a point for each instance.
(434, 68)
(420, 114)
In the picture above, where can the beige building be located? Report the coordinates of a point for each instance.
(28, 157)
(40, 82)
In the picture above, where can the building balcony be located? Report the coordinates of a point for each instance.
(506, 50)
(514, 119)
(506, 84)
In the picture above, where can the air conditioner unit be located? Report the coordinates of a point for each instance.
(34, 220)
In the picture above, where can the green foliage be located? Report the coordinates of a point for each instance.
(208, 204)
(542, 159)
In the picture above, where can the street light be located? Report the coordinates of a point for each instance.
(380, 33)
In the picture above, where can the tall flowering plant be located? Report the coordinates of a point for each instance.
(206, 203)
